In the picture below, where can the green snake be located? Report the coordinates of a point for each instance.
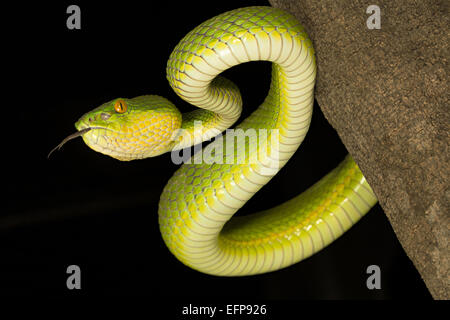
(198, 202)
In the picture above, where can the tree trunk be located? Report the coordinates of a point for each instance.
(385, 92)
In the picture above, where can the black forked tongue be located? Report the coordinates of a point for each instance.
(72, 136)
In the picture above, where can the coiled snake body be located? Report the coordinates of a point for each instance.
(199, 200)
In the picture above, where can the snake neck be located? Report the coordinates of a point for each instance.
(203, 124)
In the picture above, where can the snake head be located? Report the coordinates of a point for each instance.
(128, 129)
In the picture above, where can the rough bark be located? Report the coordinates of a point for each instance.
(385, 92)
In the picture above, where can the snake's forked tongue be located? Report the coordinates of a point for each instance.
(72, 136)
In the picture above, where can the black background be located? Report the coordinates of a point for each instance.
(81, 207)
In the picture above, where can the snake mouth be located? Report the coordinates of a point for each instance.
(72, 136)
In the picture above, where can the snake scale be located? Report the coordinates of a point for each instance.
(198, 202)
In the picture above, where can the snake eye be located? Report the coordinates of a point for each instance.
(120, 106)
